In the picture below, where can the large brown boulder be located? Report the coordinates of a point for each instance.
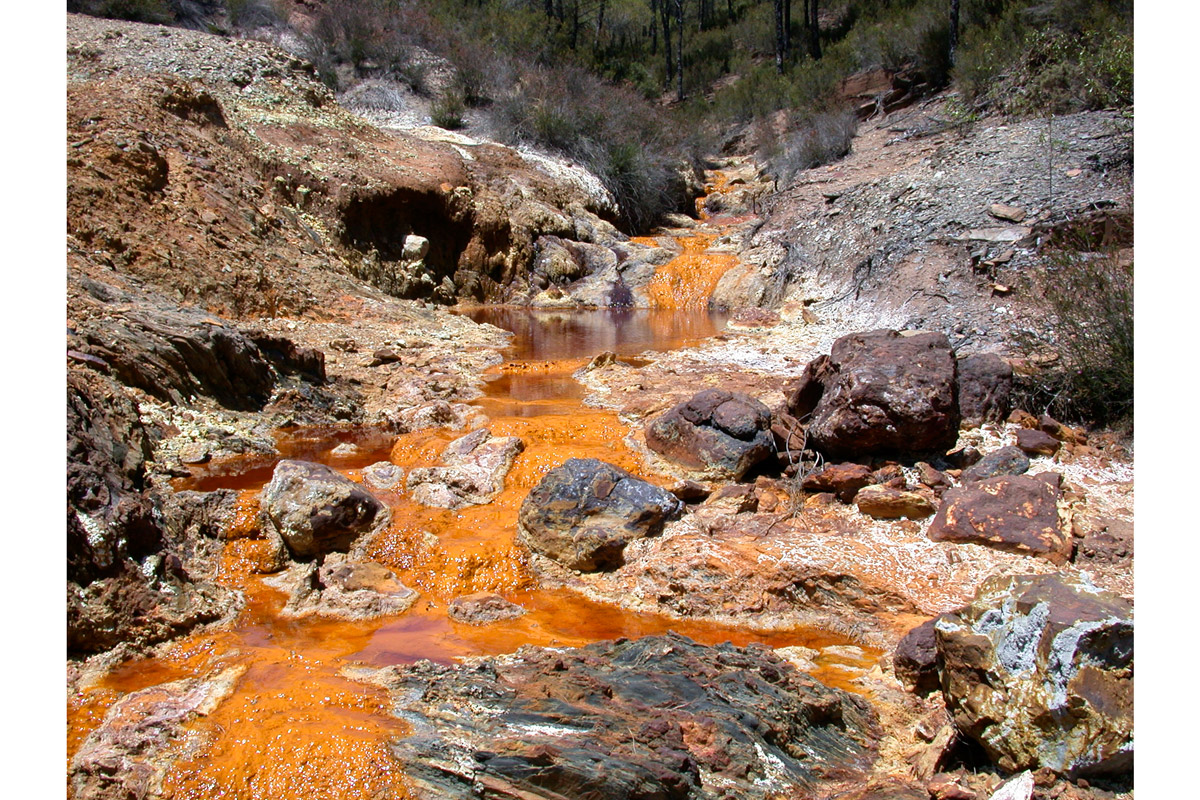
(985, 385)
(655, 718)
(1017, 513)
(583, 513)
(1038, 669)
(721, 434)
(884, 392)
(316, 510)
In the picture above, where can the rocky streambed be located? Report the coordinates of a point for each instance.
(324, 542)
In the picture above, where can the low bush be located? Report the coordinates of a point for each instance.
(447, 111)
(609, 129)
(1088, 301)
(810, 140)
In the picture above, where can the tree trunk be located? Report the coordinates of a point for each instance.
(814, 30)
(679, 44)
(663, 6)
(787, 27)
(779, 35)
(953, 29)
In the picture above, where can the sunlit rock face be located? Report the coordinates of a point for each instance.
(657, 717)
(585, 512)
(1039, 670)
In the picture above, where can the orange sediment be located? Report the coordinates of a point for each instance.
(294, 725)
(688, 280)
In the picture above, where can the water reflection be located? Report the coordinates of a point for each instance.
(555, 334)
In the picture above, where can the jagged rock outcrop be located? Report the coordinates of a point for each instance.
(1039, 670)
(125, 583)
(583, 513)
(316, 510)
(881, 392)
(658, 717)
(720, 434)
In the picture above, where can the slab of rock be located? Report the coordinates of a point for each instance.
(483, 608)
(658, 717)
(885, 502)
(886, 392)
(316, 510)
(1005, 461)
(383, 475)
(984, 389)
(128, 755)
(1016, 513)
(1038, 669)
(583, 513)
(718, 433)
(1037, 443)
(843, 480)
(476, 466)
(343, 588)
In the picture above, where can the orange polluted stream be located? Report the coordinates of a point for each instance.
(294, 726)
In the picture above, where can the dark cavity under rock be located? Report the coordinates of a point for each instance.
(660, 717)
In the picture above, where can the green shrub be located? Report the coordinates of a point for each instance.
(627, 143)
(447, 111)
(1088, 300)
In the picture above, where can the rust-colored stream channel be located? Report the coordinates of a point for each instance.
(294, 727)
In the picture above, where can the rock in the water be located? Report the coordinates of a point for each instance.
(1017, 513)
(915, 659)
(583, 513)
(660, 717)
(383, 475)
(843, 480)
(474, 473)
(721, 434)
(482, 608)
(885, 502)
(1037, 443)
(887, 392)
(317, 510)
(984, 389)
(1005, 461)
(1039, 670)
(344, 588)
(130, 752)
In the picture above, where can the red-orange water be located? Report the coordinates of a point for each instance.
(295, 727)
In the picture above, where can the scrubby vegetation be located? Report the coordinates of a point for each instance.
(632, 88)
(1087, 296)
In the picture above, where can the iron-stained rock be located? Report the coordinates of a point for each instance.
(887, 392)
(1017, 513)
(1039, 670)
(583, 513)
(984, 388)
(721, 434)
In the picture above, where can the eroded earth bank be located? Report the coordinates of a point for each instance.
(395, 469)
